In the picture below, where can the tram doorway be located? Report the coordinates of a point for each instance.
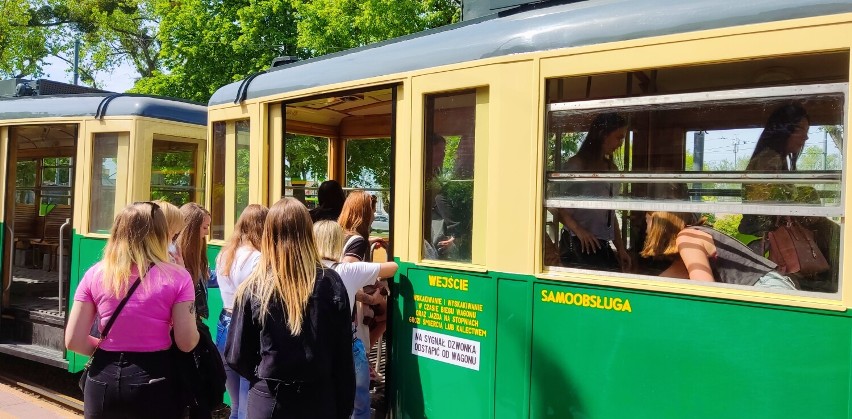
(37, 240)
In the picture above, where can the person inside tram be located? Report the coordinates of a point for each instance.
(330, 198)
(135, 353)
(589, 235)
(355, 276)
(235, 263)
(700, 253)
(443, 228)
(291, 330)
(777, 150)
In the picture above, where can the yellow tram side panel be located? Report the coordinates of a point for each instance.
(514, 162)
(812, 35)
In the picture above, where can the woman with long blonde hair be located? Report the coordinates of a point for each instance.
(235, 263)
(135, 351)
(174, 219)
(290, 333)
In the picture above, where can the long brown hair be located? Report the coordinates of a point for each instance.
(288, 264)
(357, 213)
(139, 237)
(661, 240)
(247, 231)
(192, 246)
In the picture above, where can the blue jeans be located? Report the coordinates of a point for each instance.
(362, 381)
(237, 386)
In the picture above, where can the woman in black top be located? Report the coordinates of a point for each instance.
(330, 197)
(291, 334)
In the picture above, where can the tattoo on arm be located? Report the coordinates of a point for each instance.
(192, 309)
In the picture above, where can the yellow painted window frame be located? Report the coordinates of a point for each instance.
(149, 131)
(91, 128)
(442, 83)
(730, 44)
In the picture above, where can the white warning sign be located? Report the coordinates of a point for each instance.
(445, 348)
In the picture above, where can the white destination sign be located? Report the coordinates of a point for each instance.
(445, 348)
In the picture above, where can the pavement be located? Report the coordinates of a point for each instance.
(15, 403)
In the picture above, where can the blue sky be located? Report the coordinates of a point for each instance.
(121, 79)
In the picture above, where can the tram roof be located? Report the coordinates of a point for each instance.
(102, 104)
(536, 29)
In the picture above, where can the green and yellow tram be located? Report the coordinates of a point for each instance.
(484, 116)
(71, 162)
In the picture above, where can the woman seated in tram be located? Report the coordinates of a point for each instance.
(701, 253)
(587, 233)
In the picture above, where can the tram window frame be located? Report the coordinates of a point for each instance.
(630, 106)
(101, 212)
(218, 179)
(303, 192)
(382, 192)
(242, 165)
(195, 186)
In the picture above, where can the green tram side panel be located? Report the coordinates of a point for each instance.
(443, 345)
(87, 251)
(550, 352)
(670, 356)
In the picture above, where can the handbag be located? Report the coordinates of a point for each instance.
(85, 375)
(793, 249)
(201, 371)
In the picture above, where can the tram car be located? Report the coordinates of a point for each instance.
(499, 144)
(71, 162)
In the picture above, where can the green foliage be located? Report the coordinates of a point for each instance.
(570, 143)
(22, 48)
(728, 224)
(306, 158)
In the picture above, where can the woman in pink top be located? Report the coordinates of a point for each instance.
(132, 374)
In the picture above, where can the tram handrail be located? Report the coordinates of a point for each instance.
(11, 240)
(61, 261)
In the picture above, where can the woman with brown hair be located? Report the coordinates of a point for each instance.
(355, 220)
(192, 245)
(235, 263)
(291, 334)
(134, 354)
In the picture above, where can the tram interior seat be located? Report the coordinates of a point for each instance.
(47, 242)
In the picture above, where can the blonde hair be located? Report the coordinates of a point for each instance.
(662, 236)
(139, 237)
(192, 246)
(329, 237)
(248, 230)
(357, 213)
(174, 218)
(287, 269)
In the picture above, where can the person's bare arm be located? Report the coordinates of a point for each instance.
(186, 331)
(77, 333)
(692, 245)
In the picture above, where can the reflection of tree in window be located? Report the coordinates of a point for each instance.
(305, 164)
(173, 172)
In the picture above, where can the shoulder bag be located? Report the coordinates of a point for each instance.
(109, 324)
(793, 248)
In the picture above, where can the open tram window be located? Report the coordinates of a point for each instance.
(448, 173)
(739, 163)
(305, 166)
(368, 167)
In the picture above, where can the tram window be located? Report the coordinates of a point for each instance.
(217, 193)
(448, 173)
(243, 166)
(745, 163)
(305, 166)
(368, 166)
(56, 173)
(173, 172)
(25, 182)
(105, 170)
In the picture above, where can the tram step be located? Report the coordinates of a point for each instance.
(36, 328)
(35, 353)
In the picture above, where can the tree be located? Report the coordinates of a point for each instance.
(22, 48)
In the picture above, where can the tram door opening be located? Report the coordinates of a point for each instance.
(37, 240)
(349, 138)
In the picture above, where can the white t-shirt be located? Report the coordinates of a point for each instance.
(244, 262)
(355, 276)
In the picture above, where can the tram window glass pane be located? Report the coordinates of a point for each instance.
(173, 166)
(243, 162)
(368, 166)
(742, 165)
(103, 184)
(448, 164)
(217, 207)
(25, 182)
(305, 166)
